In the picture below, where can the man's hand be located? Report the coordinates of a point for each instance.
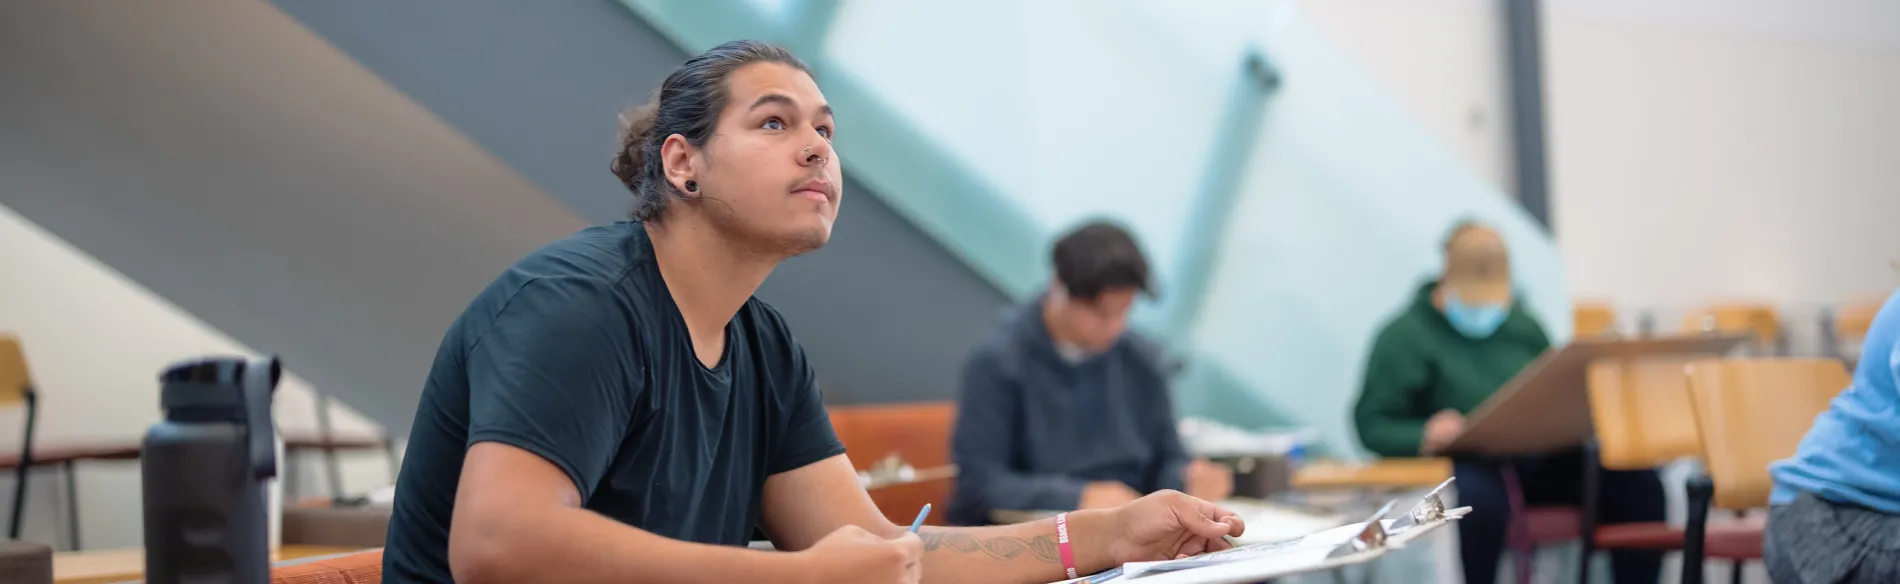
(1208, 481)
(851, 554)
(1107, 494)
(1168, 525)
(1440, 430)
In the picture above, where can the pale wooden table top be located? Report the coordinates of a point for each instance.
(119, 565)
(1385, 473)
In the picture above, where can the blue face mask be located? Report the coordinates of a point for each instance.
(1475, 321)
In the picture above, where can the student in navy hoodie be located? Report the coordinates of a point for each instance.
(1062, 407)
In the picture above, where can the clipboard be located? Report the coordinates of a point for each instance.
(1546, 407)
(1346, 545)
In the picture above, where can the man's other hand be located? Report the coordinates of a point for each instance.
(1168, 525)
(1106, 494)
(851, 554)
(1440, 430)
(1208, 481)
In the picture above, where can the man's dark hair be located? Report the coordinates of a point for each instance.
(1097, 257)
(688, 104)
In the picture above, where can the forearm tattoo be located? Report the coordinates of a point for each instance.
(1042, 547)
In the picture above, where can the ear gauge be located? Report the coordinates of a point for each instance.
(692, 186)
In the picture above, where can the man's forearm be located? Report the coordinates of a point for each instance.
(566, 544)
(1024, 552)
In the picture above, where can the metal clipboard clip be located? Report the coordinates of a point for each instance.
(1371, 537)
(1429, 509)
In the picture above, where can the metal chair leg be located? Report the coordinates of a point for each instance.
(1701, 490)
(26, 465)
(72, 503)
(1592, 494)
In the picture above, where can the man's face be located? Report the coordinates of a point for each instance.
(1095, 324)
(1478, 268)
(769, 172)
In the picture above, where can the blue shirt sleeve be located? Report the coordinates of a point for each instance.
(989, 423)
(555, 374)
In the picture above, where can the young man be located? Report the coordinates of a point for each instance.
(1062, 408)
(1463, 336)
(617, 407)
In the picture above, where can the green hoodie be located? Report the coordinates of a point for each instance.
(1420, 365)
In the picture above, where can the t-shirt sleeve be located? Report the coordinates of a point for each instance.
(551, 376)
(807, 435)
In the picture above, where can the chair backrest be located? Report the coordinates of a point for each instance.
(918, 433)
(358, 568)
(1760, 320)
(14, 379)
(1752, 412)
(1853, 320)
(1593, 320)
(1641, 411)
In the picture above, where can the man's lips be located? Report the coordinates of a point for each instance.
(816, 189)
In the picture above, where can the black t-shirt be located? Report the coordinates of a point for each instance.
(578, 354)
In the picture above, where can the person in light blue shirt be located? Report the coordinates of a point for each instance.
(1836, 505)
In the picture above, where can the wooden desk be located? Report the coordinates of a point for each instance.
(120, 565)
(1390, 473)
(54, 454)
(128, 449)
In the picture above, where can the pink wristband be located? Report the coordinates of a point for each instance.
(1062, 544)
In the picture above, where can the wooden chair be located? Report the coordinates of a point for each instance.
(1594, 320)
(918, 434)
(1749, 412)
(1845, 328)
(16, 388)
(1643, 420)
(1761, 321)
(358, 568)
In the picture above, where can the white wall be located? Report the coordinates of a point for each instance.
(1754, 144)
(1443, 61)
(1751, 141)
(95, 343)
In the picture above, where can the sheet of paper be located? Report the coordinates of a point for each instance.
(1324, 541)
(1289, 561)
(1270, 522)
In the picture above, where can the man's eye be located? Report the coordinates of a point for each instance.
(825, 131)
(774, 124)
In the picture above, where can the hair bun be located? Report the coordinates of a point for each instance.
(635, 124)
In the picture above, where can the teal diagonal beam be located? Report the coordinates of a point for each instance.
(808, 24)
(1214, 201)
(919, 179)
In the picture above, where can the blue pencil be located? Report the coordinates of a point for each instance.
(920, 518)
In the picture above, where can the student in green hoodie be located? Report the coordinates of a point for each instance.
(1462, 337)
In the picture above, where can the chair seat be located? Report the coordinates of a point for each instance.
(1728, 540)
(1551, 525)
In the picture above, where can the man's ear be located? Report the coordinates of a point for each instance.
(681, 161)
